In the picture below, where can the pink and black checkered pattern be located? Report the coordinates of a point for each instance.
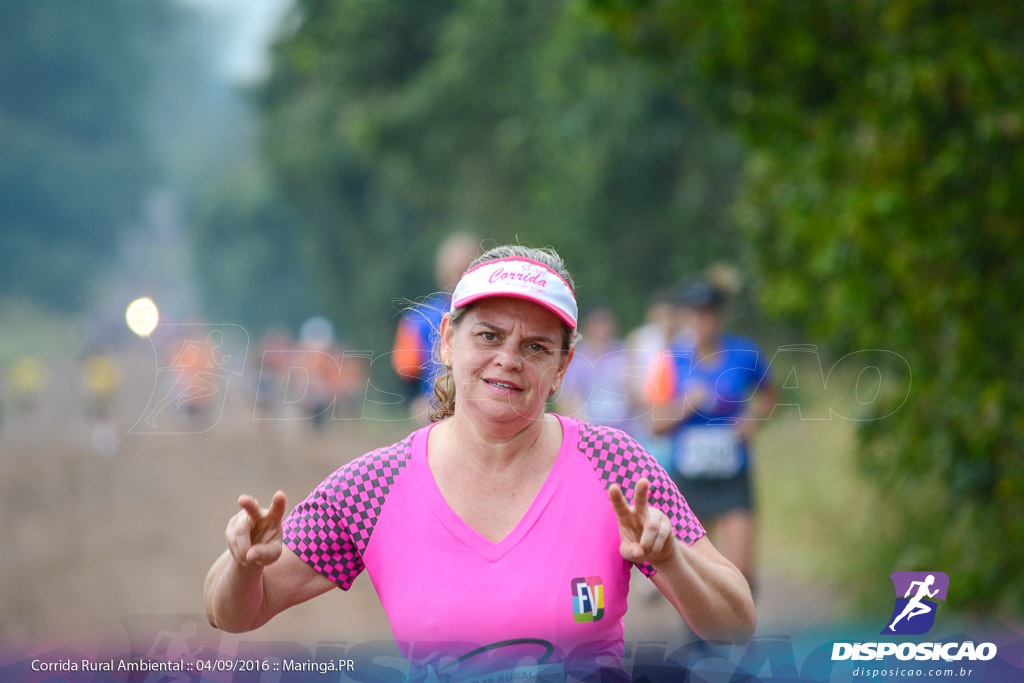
(331, 528)
(619, 459)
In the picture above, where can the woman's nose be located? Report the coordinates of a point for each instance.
(511, 359)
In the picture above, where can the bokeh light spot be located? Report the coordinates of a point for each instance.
(142, 316)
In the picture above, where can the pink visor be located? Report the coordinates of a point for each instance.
(520, 278)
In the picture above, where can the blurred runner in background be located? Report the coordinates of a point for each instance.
(595, 386)
(27, 378)
(709, 396)
(192, 376)
(317, 355)
(270, 373)
(416, 336)
(335, 378)
(100, 380)
(666, 323)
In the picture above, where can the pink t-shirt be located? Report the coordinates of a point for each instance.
(555, 587)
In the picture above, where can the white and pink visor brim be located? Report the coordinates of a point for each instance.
(519, 278)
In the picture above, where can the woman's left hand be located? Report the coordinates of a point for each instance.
(745, 429)
(646, 532)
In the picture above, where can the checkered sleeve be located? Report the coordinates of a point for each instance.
(331, 528)
(618, 459)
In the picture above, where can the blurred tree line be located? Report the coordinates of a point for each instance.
(105, 106)
(391, 124)
(75, 158)
(885, 143)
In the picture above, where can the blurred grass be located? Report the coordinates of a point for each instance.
(822, 521)
(28, 329)
(815, 510)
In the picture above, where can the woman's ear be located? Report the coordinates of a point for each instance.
(445, 347)
(560, 375)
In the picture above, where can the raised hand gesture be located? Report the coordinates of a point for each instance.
(254, 535)
(646, 532)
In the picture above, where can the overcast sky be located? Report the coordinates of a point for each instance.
(247, 26)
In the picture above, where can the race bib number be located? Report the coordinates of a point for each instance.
(708, 451)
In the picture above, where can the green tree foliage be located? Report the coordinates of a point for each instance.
(390, 124)
(248, 254)
(886, 142)
(73, 157)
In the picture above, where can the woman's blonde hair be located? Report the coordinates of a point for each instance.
(444, 383)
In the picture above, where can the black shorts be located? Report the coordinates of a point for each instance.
(711, 498)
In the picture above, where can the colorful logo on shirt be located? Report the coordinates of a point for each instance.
(587, 599)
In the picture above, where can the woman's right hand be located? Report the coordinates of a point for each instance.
(255, 535)
(699, 399)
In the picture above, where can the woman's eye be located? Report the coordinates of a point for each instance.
(538, 348)
(488, 336)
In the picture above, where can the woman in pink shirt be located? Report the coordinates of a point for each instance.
(499, 534)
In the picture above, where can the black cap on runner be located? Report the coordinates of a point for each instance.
(704, 295)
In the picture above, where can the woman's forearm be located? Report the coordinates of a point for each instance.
(667, 416)
(234, 595)
(708, 592)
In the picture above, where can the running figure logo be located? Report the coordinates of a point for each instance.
(914, 612)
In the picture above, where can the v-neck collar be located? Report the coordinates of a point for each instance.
(490, 551)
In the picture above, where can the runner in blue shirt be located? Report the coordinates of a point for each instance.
(709, 396)
(412, 354)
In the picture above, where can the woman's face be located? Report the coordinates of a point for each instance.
(507, 359)
(707, 325)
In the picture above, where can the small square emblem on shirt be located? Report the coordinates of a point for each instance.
(587, 599)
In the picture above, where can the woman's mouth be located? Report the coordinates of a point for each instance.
(503, 386)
